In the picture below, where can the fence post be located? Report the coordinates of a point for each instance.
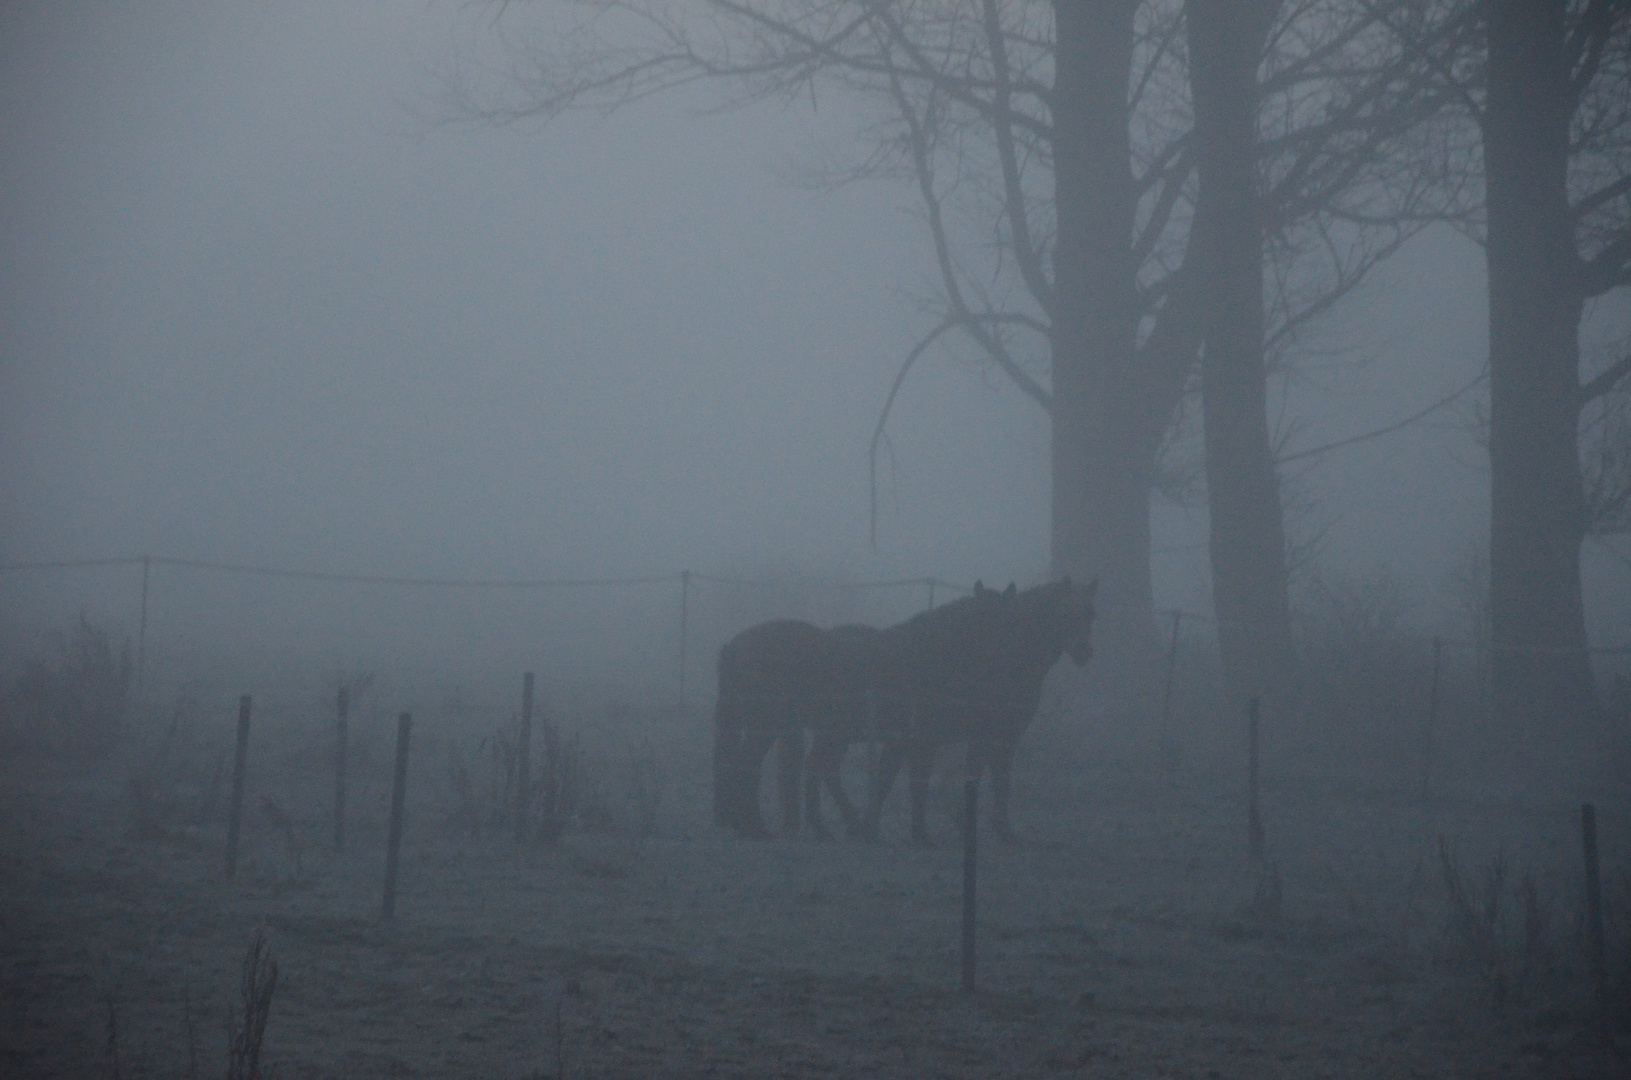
(342, 708)
(971, 801)
(1594, 915)
(1168, 752)
(393, 849)
(685, 615)
(1254, 820)
(240, 759)
(523, 762)
(1432, 723)
(141, 629)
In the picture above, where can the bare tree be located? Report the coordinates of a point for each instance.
(1552, 102)
(1247, 533)
(1052, 149)
(1314, 163)
(1015, 122)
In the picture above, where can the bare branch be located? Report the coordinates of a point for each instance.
(1400, 425)
(1025, 253)
(1609, 269)
(883, 419)
(1606, 381)
(1585, 45)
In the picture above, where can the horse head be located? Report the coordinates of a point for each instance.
(1063, 615)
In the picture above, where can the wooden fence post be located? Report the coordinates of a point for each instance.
(685, 616)
(1594, 915)
(141, 630)
(393, 850)
(1254, 819)
(523, 763)
(342, 708)
(240, 760)
(971, 831)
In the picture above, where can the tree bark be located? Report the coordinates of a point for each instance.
(1541, 676)
(1103, 441)
(1247, 532)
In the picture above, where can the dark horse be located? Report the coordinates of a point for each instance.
(776, 681)
(971, 670)
(780, 679)
(983, 689)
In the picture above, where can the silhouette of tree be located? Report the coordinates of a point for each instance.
(1054, 151)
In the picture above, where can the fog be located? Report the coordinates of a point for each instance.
(267, 302)
(263, 306)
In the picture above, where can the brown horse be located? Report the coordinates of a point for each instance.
(993, 701)
(778, 680)
(970, 670)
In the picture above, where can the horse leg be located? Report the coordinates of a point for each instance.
(922, 765)
(818, 767)
(745, 813)
(789, 769)
(812, 804)
(826, 768)
(883, 778)
(853, 826)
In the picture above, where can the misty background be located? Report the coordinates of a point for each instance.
(261, 305)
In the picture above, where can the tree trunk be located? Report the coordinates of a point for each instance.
(1247, 532)
(1103, 445)
(1541, 676)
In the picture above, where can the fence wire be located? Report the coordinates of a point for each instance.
(685, 580)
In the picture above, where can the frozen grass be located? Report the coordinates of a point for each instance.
(1129, 936)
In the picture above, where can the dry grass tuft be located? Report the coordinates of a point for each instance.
(249, 1031)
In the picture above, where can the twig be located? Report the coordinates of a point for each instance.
(1389, 429)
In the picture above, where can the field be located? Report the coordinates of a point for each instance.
(1129, 936)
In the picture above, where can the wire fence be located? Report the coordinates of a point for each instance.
(686, 583)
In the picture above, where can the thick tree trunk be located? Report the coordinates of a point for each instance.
(1103, 445)
(1247, 537)
(1541, 675)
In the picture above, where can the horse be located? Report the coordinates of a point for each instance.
(776, 680)
(990, 703)
(780, 678)
(853, 716)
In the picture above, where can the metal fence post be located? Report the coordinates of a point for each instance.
(393, 850)
(523, 762)
(240, 760)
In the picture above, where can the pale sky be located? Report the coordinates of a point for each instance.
(255, 309)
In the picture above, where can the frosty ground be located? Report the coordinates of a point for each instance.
(1129, 935)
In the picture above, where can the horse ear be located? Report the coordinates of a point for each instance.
(979, 587)
(1008, 593)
